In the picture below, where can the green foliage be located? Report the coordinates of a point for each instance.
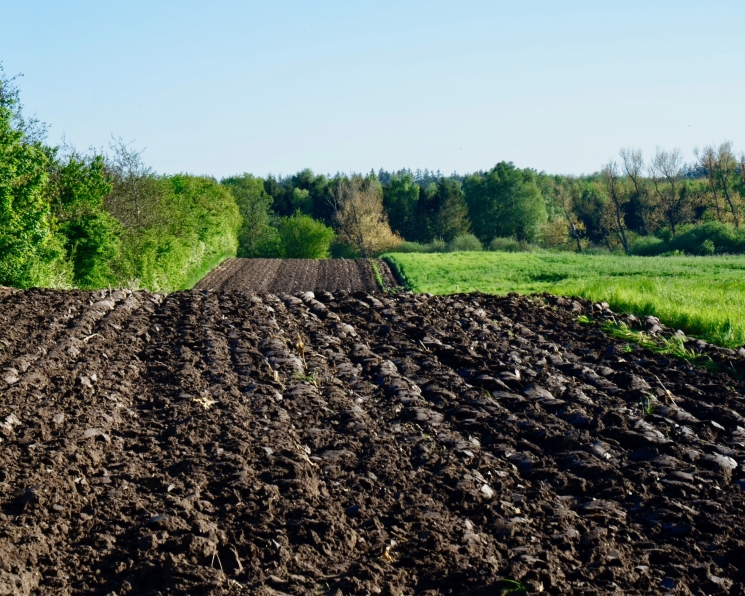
(411, 247)
(443, 210)
(254, 205)
(505, 245)
(647, 246)
(24, 210)
(703, 296)
(511, 586)
(376, 273)
(302, 237)
(706, 239)
(505, 202)
(305, 192)
(710, 238)
(90, 222)
(315, 192)
(434, 246)
(647, 405)
(437, 245)
(342, 250)
(90, 235)
(464, 243)
(401, 199)
(192, 221)
(707, 247)
(674, 345)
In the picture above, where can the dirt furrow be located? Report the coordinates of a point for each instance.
(279, 276)
(338, 442)
(24, 338)
(64, 422)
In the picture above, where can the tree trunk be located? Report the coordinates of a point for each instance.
(575, 235)
(621, 231)
(728, 198)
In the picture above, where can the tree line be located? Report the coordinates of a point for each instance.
(103, 218)
(630, 205)
(642, 207)
(95, 220)
(380, 211)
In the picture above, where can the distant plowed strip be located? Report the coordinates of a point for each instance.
(279, 276)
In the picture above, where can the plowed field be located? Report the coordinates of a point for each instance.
(343, 443)
(276, 276)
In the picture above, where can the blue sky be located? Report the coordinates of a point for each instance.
(224, 87)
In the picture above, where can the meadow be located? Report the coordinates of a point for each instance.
(703, 296)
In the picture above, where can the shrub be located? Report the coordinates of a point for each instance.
(465, 243)
(437, 245)
(191, 223)
(255, 206)
(505, 245)
(647, 246)
(411, 247)
(710, 238)
(342, 250)
(77, 189)
(24, 210)
(302, 237)
(707, 248)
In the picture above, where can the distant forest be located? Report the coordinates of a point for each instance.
(632, 205)
(100, 218)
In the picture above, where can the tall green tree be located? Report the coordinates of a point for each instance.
(311, 195)
(589, 205)
(505, 202)
(254, 205)
(400, 199)
(443, 211)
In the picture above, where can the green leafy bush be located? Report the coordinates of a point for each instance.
(89, 234)
(409, 247)
(342, 250)
(302, 237)
(505, 245)
(710, 238)
(191, 224)
(24, 210)
(647, 246)
(437, 245)
(256, 236)
(465, 243)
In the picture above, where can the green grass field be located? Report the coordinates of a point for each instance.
(703, 296)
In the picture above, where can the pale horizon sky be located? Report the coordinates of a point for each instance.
(227, 87)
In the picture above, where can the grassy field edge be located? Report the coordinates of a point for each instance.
(703, 296)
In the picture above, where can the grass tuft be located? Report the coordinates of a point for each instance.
(376, 273)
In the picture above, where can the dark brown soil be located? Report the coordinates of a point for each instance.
(278, 276)
(409, 445)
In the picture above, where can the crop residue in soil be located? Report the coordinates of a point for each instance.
(349, 443)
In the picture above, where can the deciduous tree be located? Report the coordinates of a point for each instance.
(505, 202)
(618, 197)
(665, 172)
(360, 216)
(254, 205)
